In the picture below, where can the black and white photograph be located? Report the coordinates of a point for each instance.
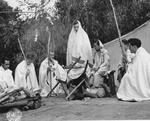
(67, 60)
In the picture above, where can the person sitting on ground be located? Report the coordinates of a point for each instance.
(25, 75)
(135, 84)
(101, 66)
(123, 65)
(7, 83)
(49, 72)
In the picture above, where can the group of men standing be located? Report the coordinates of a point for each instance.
(133, 77)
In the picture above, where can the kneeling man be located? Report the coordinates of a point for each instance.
(135, 84)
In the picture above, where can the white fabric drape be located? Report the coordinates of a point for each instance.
(20, 76)
(135, 84)
(79, 45)
(46, 84)
(6, 79)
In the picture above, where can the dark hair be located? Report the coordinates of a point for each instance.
(135, 42)
(4, 59)
(124, 41)
(75, 22)
(97, 42)
(29, 55)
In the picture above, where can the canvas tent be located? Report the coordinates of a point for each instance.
(142, 32)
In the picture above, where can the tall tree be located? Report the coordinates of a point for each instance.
(8, 32)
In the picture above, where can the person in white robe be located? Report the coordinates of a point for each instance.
(124, 61)
(6, 79)
(135, 84)
(25, 75)
(49, 72)
(78, 46)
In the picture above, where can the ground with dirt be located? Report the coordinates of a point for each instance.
(58, 109)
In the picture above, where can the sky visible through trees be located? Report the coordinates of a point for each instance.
(96, 17)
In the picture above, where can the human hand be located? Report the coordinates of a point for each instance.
(49, 69)
(124, 60)
(27, 73)
(94, 69)
(1, 89)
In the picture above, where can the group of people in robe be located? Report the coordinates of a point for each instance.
(133, 69)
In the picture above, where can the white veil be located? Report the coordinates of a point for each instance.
(79, 45)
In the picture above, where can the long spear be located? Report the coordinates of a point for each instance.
(119, 33)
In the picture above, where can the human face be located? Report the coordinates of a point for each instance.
(51, 57)
(76, 27)
(97, 47)
(125, 46)
(6, 64)
(132, 48)
(29, 61)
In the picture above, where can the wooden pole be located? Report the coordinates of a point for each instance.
(116, 22)
(21, 49)
(49, 40)
(49, 75)
(25, 60)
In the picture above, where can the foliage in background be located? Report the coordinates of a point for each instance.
(97, 19)
(95, 15)
(8, 33)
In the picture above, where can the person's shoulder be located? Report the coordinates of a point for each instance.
(21, 64)
(9, 71)
(1, 68)
(55, 61)
(105, 51)
(44, 61)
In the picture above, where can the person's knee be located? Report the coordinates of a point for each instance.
(96, 76)
(100, 92)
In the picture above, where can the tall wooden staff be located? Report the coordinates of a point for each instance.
(21, 49)
(25, 60)
(119, 33)
(49, 75)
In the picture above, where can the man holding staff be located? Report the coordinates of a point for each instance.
(49, 72)
(25, 75)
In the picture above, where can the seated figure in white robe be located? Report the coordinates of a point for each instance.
(78, 46)
(25, 75)
(135, 84)
(7, 83)
(49, 72)
(124, 61)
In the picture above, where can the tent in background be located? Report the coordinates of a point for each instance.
(142, 32)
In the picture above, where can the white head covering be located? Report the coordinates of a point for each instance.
(78, 45)
(100, 44)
